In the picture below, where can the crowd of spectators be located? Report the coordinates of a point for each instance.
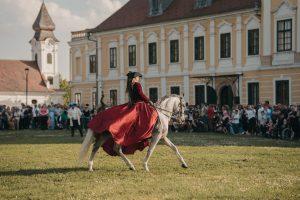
(278, 121)
(53, 116)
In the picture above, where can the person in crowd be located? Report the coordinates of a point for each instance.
(74, 114)
(44, 117)
(86, 116)
(35, 115)
(4, 118)
(251, 116)
(236, 127)
(51, 119)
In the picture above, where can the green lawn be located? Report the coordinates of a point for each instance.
(42, 165)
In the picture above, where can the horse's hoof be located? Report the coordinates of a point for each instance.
(132, 168)
(184, 166)
(91, 170)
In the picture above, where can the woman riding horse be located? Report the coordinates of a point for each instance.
(129, 124)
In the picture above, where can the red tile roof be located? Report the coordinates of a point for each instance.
(136, 12)
(13, 79)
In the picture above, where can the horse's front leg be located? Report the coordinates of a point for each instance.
(118, 150)
(175, 149)
(155, 139)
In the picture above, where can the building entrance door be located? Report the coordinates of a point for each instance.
(226, 96)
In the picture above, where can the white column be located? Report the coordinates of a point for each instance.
(186, 78)
(238, 42)
(100, 83)
(163, 50)
(122, 69)
(266, 27)
(186, 48)
(121, 57)
(142, 60)
(71, 65)
(241, 89)
(142, 57)
(122, 90)
(186, 83)
(99, 58)
(298, 26)
(163, 61)
(87, 63)
(163, 82)
(212, 45)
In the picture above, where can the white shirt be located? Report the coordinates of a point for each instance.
(236, 118)
(74, 113)
(250, 113)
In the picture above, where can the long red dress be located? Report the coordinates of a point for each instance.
(130, 126)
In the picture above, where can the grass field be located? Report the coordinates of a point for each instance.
(42, 165)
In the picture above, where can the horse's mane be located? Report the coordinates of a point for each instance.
(167, 97)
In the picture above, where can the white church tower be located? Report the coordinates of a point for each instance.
(44, 48)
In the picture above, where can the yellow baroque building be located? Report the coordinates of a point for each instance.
(210, 51)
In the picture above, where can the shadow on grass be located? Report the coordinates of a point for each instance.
(180, 139)
(31, 172)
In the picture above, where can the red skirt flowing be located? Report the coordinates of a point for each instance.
(130, 127)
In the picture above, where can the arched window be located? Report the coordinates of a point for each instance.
(50, 80)
(49, 58)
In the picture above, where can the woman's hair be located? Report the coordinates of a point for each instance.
(129, 86)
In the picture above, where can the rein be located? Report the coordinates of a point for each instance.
(170, 112)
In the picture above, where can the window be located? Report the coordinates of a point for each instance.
(154, 6)
(253, 42)
(50, 80)
(113, 97)
(199, 48)
(92, 64)
(78, 98)
(282, 92)
(203, 3)
(49, 58)
(225, 45)
(284, 35)
(77, 66)
(253, 93)
(175, 90)
(132, 55)
(94, 99)
(152, 53)
(153, 94)
(174, 51)
(199, 94)
(113, 57)
(36, 57)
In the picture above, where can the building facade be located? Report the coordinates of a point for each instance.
(210, 51)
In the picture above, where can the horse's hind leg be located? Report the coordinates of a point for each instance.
(96, 147)
(99, 142)
(175, 149)
(118, 150)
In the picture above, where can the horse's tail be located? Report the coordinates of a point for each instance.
(88, 140)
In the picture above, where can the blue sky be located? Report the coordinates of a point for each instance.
(17, 17)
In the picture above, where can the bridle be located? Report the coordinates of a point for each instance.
(171, 114)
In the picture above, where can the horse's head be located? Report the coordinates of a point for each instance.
(179, 108)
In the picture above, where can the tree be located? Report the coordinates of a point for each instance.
(66, 87)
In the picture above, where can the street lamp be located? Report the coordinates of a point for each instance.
(26, 73)
(89, 36)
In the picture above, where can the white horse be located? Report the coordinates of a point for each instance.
(167, 107)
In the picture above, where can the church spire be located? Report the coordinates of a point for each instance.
(43, 25)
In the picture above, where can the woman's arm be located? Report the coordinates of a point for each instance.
(140, 92)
